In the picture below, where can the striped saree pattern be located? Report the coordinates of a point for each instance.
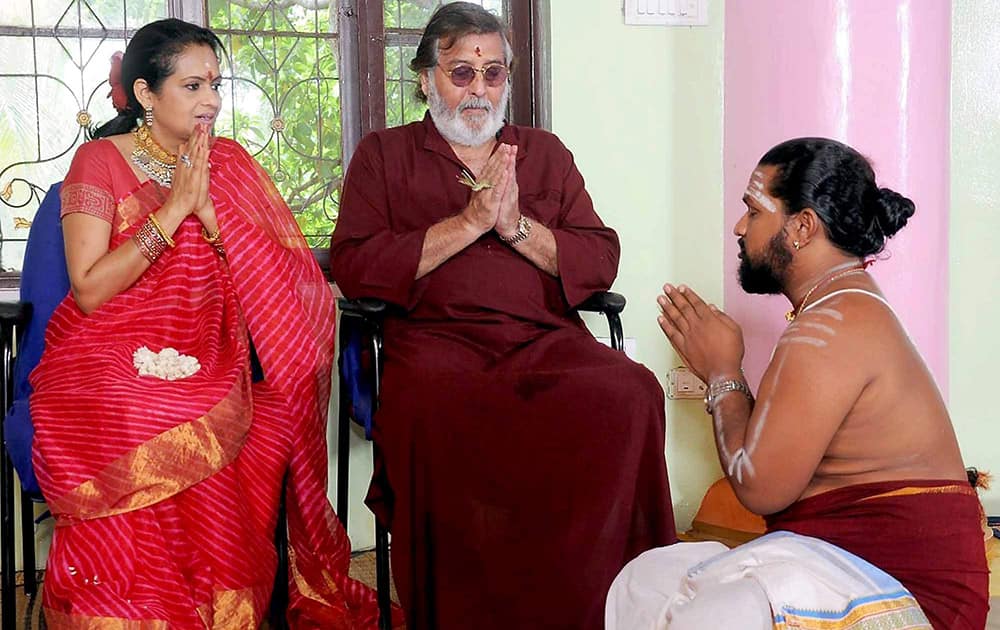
(165, 493)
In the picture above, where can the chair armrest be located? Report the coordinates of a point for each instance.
(16, 313)
(372, 311)
(600, 302)
(364, 307)
(603, 302)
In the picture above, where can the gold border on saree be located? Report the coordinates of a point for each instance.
(165, 465)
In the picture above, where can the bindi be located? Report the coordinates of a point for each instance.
(479, 51)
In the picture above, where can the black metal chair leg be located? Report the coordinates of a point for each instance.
(615, 327)
(382, 571)
(277, 617)
(382, 577)
(28, 545)
(7, 587)
(343, 433)
(8, 610)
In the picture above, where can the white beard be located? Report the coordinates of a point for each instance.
(455, 128)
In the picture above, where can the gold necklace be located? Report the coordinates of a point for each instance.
(151, 158)
(795, 312)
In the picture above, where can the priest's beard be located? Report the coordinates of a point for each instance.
(766, 275)
(456, 129)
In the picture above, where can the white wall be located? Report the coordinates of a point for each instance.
(975, 231)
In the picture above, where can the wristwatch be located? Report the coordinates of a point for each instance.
(719, 388)
(523, 230)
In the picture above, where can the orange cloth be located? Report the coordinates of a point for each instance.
(721, 517)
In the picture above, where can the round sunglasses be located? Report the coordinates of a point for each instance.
(463, 75)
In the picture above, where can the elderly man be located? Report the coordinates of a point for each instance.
(523, 461)
(847, 448)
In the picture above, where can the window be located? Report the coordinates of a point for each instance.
(305, 79)
(53, 83)
(282, 99)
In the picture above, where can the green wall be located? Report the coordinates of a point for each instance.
(641, 109)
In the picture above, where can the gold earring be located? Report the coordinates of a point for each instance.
(795, 244)
(148, 117)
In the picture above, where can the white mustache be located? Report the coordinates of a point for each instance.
(477, 103)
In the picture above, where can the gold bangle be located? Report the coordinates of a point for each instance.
(213, 238)
(159, 228)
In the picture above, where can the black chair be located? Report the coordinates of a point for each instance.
(14, 317)
(361, 325)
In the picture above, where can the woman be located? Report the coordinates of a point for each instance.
(164, 471)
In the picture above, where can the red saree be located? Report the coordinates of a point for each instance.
(925, 533)
(165, 493)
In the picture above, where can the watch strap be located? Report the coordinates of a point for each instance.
(523, 230)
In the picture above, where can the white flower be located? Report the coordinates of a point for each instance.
(169, 364)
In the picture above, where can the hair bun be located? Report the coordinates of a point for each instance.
(892, 210)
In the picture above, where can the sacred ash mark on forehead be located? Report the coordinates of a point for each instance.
(755, 190)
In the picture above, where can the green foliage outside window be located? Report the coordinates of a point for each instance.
(282, 102)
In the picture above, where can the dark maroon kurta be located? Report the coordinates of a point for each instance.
(523, 460)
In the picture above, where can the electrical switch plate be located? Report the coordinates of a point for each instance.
(683, 385)
(666, 12)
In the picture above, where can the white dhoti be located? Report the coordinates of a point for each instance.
(781, 580)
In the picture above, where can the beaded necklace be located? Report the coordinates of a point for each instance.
(151, 158)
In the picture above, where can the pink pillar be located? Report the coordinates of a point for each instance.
(874, 74)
